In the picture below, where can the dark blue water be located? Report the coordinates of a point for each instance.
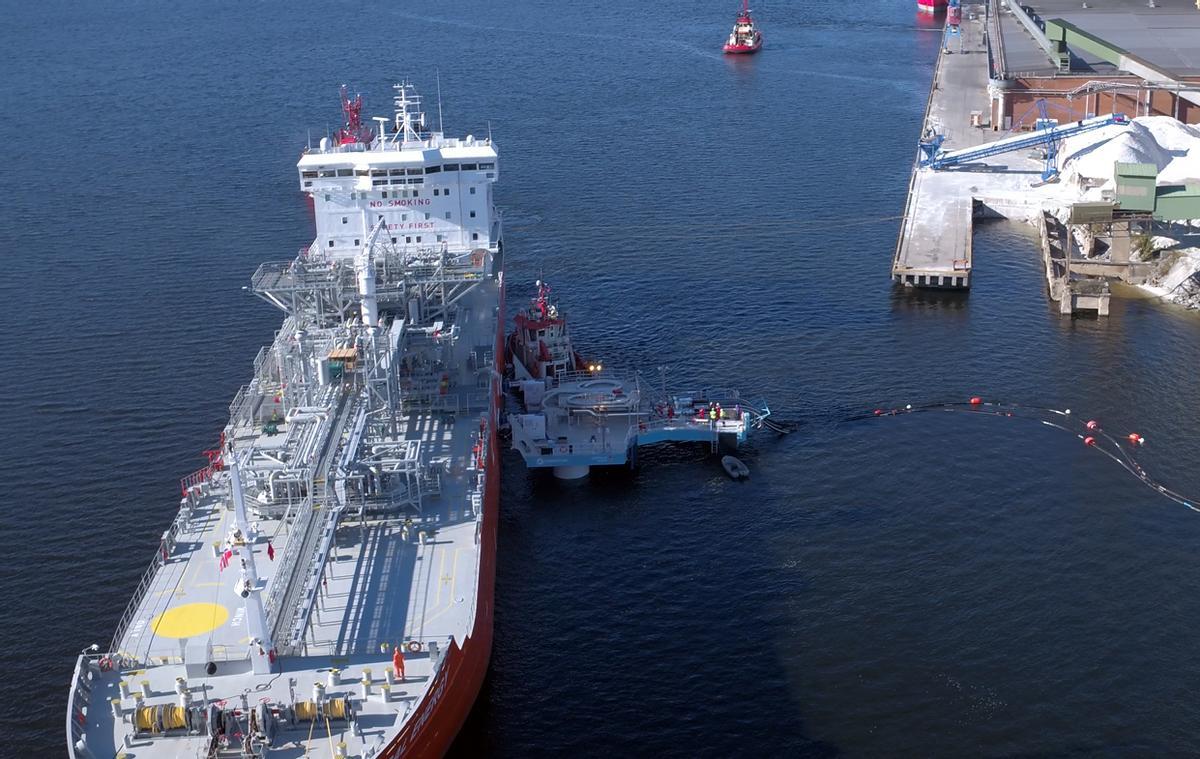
(925, 585)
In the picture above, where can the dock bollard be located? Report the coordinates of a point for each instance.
(341, 750)
(145, 689)
(333, 678)
(391, 675)
(366, 683)
(385, 693)
(124, 687)
(116, 708)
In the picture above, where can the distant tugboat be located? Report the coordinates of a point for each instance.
(744, 38)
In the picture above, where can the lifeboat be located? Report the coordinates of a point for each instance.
(734, 467)
(745, 37)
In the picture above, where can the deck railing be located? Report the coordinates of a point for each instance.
(143, 586)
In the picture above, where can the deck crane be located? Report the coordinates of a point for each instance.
(1047, 134)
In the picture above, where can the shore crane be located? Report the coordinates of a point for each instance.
(1047, 134)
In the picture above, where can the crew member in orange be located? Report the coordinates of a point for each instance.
(398, 663)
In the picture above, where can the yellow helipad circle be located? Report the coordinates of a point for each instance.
(189, 620)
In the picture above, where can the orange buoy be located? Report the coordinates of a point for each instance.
(1093, 425)
(1136, 439)
(1089, 440)
(976, 401)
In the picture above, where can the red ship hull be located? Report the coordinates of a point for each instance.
(431, 729)
(744, 49)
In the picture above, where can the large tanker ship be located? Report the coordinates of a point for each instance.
(325, 589)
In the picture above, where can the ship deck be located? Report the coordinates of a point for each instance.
(391, 579)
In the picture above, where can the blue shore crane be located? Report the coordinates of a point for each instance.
(1047, 133)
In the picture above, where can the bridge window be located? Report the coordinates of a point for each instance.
(408, 239)
(377, 182)
(327, 173)
(432, 169)
(412, 172)
(308, 174)
(450, 167)
(486, 166)
(447, 214)
(470, 167)
(472, 214)
(435, 192)
(472, 190)
(418, 238)
(474, 235)
(345, 172)
(360, 172)
(345, 220)
(397, 172)
(379, 172)
(446, 191)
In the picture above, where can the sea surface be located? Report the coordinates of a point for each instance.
(924, 585)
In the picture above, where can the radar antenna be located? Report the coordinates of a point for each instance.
(410, 120)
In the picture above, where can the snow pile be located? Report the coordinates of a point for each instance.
(1172, 146)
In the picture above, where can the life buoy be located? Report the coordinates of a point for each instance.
(413, 646)
(105, 663)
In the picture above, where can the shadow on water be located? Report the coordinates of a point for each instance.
(928, 299)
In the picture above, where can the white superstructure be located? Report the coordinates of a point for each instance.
(428, 189)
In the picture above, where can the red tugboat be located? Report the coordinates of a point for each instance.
(744, 38)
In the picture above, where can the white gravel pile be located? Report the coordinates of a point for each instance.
(1173, 147)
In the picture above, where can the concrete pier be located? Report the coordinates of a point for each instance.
(934, 249)
(1072, 293)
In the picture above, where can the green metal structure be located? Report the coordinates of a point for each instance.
(1177, 202)
(1135, 186)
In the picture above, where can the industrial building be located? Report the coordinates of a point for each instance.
(1093, 57)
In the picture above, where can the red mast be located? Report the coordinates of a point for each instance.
(354, 130)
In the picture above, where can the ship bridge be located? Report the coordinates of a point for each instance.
(427, 188)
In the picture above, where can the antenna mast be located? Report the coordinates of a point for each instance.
(438, 73)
